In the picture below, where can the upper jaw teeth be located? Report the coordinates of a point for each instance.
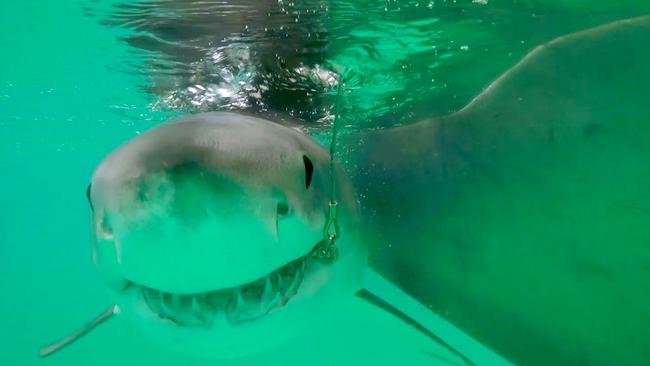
(243, 303)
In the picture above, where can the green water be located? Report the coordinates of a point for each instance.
(72, 87)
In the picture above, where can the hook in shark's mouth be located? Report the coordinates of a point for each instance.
(242, 303)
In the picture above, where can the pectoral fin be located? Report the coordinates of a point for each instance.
(381, 292)
(101, 318)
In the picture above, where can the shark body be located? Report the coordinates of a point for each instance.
(207, 227)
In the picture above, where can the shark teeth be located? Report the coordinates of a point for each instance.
(243, 303)
(187, 310)
(256, 299)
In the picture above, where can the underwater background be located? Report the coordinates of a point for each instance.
(77, 78)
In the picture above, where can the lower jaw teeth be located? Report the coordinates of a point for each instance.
(240, 304)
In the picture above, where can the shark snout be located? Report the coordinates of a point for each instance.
(221, 251)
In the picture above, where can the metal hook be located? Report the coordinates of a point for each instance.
(326, 250)
(332, 226)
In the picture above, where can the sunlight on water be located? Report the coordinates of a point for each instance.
(397, 54)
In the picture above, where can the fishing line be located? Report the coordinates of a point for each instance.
(326, 250)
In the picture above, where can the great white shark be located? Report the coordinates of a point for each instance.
(212, 221)
(208, 227)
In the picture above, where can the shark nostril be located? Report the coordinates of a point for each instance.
(105, 228)
(282, 209)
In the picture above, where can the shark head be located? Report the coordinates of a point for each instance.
(206, 228)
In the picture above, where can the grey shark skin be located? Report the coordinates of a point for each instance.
(205, 227)
(490, 214)
(524, 216)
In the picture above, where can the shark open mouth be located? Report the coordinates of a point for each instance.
(241, 303)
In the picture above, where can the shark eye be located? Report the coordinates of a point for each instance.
(88, 196)
(309, 170)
